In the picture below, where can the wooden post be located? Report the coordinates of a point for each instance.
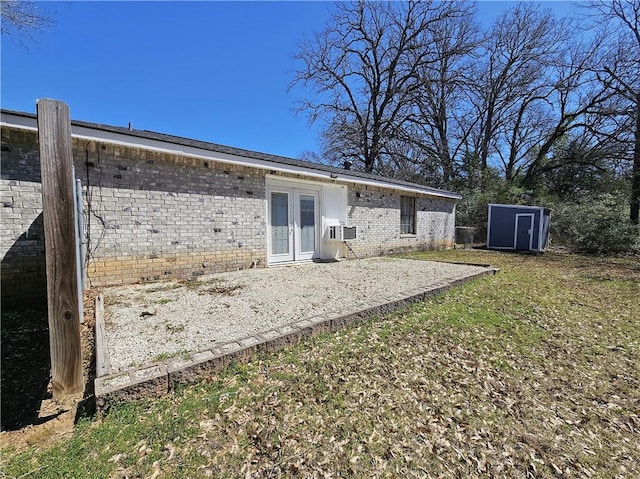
(56, 161)
(103, 363)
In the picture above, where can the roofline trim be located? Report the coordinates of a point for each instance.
(528, 207)
(87, 131)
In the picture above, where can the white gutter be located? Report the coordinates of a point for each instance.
(93, 134)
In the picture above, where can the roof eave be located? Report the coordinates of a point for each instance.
(216, 152)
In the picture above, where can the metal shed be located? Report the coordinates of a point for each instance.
(517, 227)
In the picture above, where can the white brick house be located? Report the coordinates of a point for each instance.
(159, 206)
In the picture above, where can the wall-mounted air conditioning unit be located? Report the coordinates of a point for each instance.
(343, 233)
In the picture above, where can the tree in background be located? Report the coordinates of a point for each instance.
(20, 18)
(620, 75)
(535, 84)
(534, 108)
(581, 170)
(365, 69)
(438, 131)
(511, 87)
(577, 100)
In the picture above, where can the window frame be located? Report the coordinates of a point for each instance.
(408, 228)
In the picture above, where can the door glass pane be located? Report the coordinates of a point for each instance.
(279, 223)
(307, 223)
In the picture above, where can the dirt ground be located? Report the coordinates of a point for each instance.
(30, 415)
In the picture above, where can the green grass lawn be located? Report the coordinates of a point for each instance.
(532, 373)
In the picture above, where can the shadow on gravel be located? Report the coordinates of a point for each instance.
(25, 365)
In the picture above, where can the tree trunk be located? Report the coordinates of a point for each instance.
(635, 182)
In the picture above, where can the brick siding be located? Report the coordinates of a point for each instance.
(156, 215)
(22, 270)
(148, 215)
(376, 213)
(151, 216)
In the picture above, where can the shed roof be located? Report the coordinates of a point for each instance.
(216, 152)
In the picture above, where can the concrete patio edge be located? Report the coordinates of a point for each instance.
(157, 379)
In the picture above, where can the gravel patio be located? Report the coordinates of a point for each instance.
(152, 322)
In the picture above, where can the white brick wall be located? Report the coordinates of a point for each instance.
(158, 215)
(376, 213)
(153, 215)
(22, 232)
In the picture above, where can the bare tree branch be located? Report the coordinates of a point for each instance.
(366, 65)
(20, 17)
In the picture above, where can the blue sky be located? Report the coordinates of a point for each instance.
(213, 71)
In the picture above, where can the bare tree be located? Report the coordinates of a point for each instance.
(577, 99)
(536, 84)
(512, 89)
(365, 68)
(412, 90)
(620, 74)
(441, 123)
(19, 17)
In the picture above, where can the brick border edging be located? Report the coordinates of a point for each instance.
(157, 379)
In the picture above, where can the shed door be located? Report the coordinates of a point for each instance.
(523, 240)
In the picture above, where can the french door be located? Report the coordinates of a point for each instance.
(292, 224)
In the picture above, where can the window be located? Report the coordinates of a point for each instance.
(407, 215)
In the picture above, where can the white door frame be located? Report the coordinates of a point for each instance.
(280, 257)
(294, 191)
(297, 220)
(515, 231)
